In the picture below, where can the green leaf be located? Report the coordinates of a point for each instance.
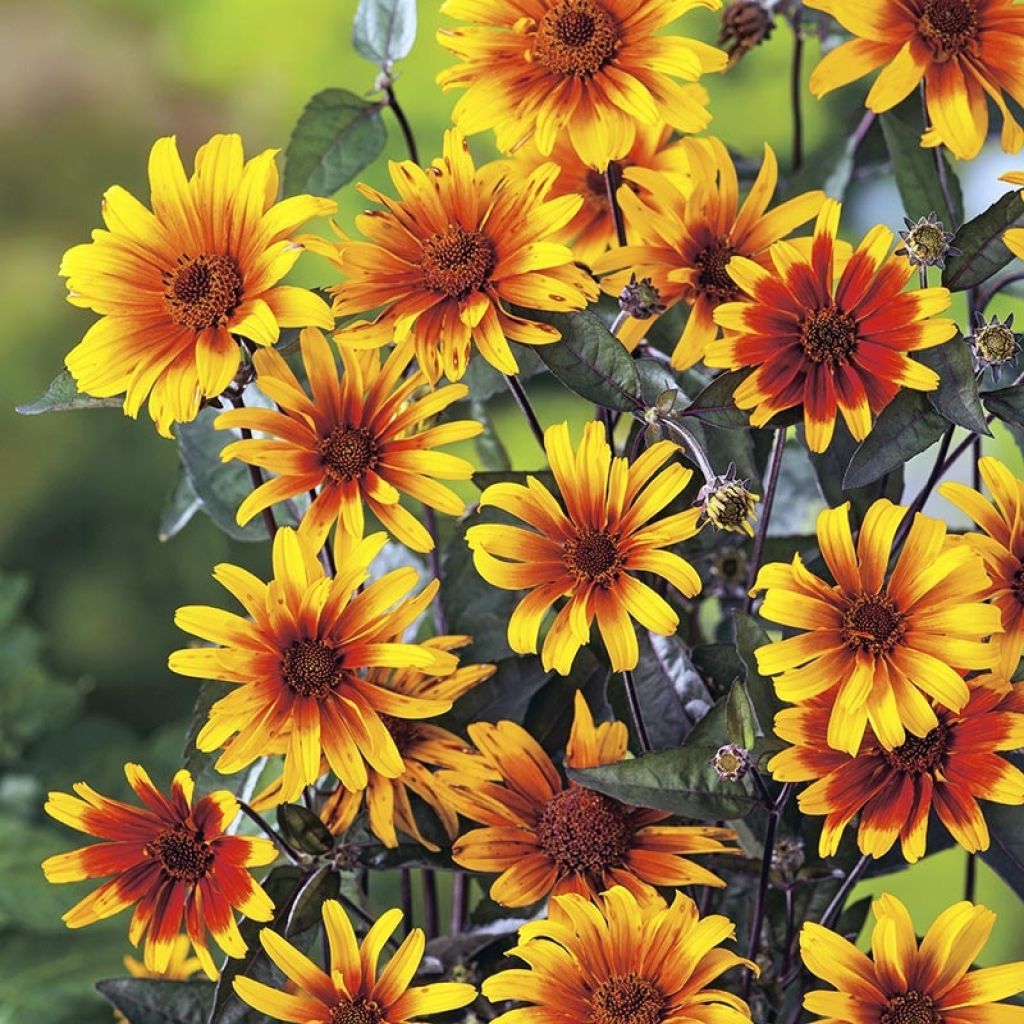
(63, 394)
(655, 380)
(505, 696)
(1006, 404)
(957, 396)
(740, 725)
(384, 30)
(760, 690)
(907, 426)
(337, 136)
(182, 505)
(378, 857)
(490, 450)
(715, 406)
(980, 242)
(303, 829)
(1005, 855)
(550, 714)
(590, 361)
(154, 1001)
(718, 663)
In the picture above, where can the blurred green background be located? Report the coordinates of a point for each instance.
(85, 88)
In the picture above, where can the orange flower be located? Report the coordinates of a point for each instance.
(170, 858)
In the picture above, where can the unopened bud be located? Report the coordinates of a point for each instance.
(995, 342)
(728, 504)
(745, 25)
(640, 299)
(788, 856)
(926, 242)
(731, 762)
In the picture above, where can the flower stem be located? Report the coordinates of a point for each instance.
(933, 478)
(523, 402)
(405, 882)
(261, 823)
(403, 124)
(691, 445)
(255, 473)
(971, 878)
(771, 485)
(460, 901)
(434, 555)
(431, 923)
(835, 908)
(629, 684)
(796, 84)
(612, 180)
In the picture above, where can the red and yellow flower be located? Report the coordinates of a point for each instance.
(170, 858)
(177, 285)
(589, 547)
(879, 645)
(547, 837)
(831, 346)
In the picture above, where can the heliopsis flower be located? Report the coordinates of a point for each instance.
(300, 662)
(176, 286)
(356, 990)
(965, 52)
(547, 837)
(593, 70)
(879, 647)
(444, 263)
(355, 439)
(588, 548)
(622, 962)
(830, 346)
(685, 243)
(1001, 546)
(894, 791)
(171, 858)
(904, 983)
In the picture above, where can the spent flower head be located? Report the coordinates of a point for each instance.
(640, 299)
(732, 762)
(993, 342)
(926, 242)
(746, 24)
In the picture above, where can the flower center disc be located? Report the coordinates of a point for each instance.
(593, 556)
(457, 262)
(311, 668)
(583, 831)
(998, 344)
(949, 26)
(872, 623)
(576, 38)
(828, 336)
(203, 291)
(713, 279)
(920, 754)
(912, 1008)
(358, 1011)
(348, 452)
(182, 853)
(627, 999)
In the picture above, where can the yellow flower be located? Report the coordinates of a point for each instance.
(592, 70)
(906, 983)
(589, 547)
(180, 967)
(176, 286)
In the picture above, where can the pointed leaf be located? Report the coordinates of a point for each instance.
(384, 30)
(980, 241)
(155, 1001)
(715, 405)
(740, 724)
(1007, 404)
(182, 505)
(62, 395)
(760, 690)
(957, 396)
(303, 829)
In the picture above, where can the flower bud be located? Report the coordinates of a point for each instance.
(995, 342)
(727, 503)
(640, 299)
(788, 855)
(926, 242)
(731, 762)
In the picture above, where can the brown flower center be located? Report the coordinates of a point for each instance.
(457, 262)
(713, 279)
(403, 730)
(912, 1008)
(593, 557)
(1017, 584)
(576, 37)
(828, 336)
(348, 452)
(872, 623)
(358, 1011)
(182, 852)
(920, 754)
(203, 291)
(627, 999)
(949, 26)
(311, 669)
(583, 831)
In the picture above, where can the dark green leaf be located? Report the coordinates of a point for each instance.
(1007, 404)
(303, 829)
(749, 637)
(655, 380)
(490, 450)
(182, 505)
(384, 30)
(718, 663)
(740, 725)
(590, 361)
(715, 406)
(980, 242)
(63, 394)
(957, 396)
(907, 426)
(337, 136)
(505, 696)
(378, 857)
(550, 714)
(154, 1001)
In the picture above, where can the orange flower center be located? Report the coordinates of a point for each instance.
(584, 832)
(182, 852)
(920, 755)
(457, 262)
(311, 669)
(348, 452)
(912, 1008)
(627, 999)
(357, 1011)
(828, 336)
(203, 291)
(403, 730)
(576, 38)
(872, 623)
(713, 279)
(593, 557)
(949, 26)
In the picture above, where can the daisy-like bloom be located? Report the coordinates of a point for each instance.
(592, 70)
(1001, 546)
(355, 439)
(589, 547)
(300, 661)
(831, 346)
(685, 243)
(904, 983)
(357, 990)
(894, 791)
(1014, 238)
(175, 286)
(447, 259)
(170, 858)
(965, 52)
(623, 962)
(879, 647)
(547, 837)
